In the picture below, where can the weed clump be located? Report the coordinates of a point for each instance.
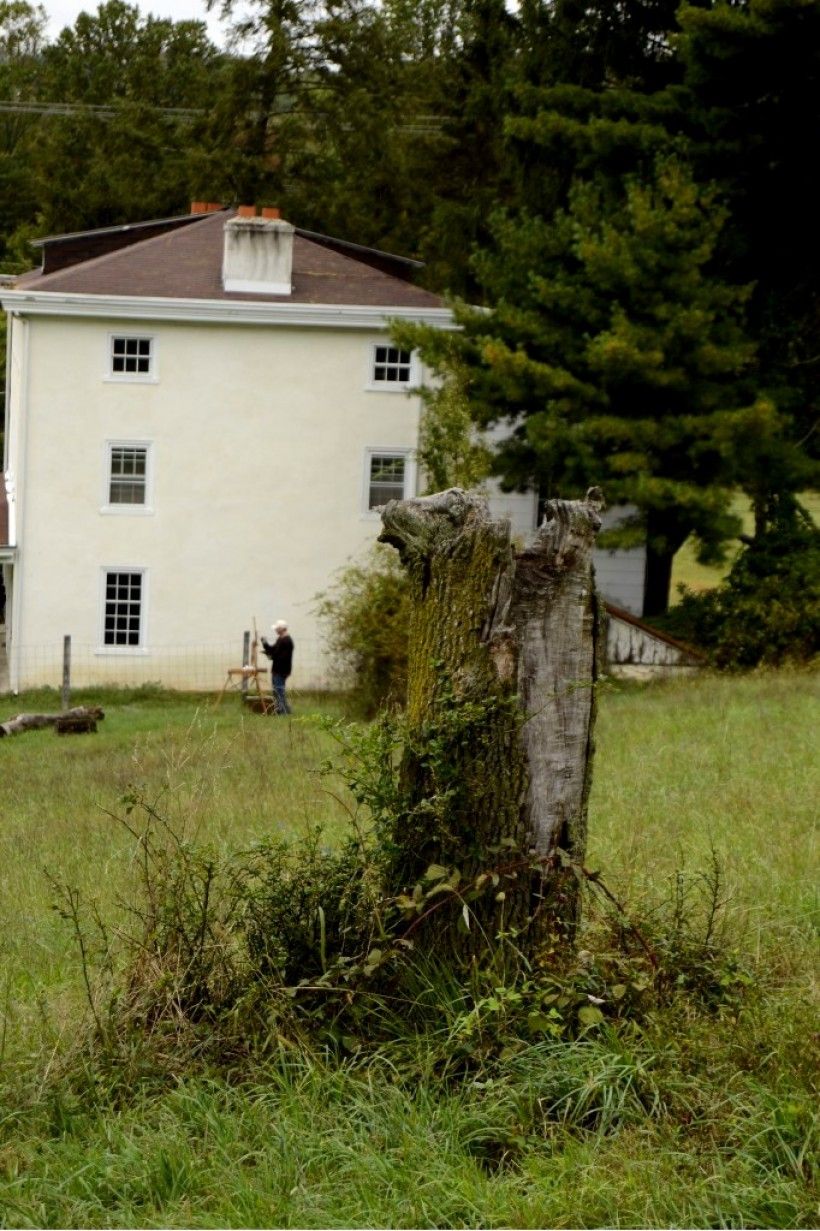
(309, 946)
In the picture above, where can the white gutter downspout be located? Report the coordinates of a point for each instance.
(7, 401)
(20, 443)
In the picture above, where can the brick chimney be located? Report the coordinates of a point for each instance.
(257, 254)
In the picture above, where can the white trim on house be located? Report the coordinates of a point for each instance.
(129, 651)
(254, 287)
(391, 386)
(218, 311)
(410, 468)
(151, 377)
(10, 489)
(119, 510)
(16, 450)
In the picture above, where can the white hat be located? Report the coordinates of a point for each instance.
(279, 626)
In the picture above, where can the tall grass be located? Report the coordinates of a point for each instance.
(219, 775)
(694, 1118)
(717, 763)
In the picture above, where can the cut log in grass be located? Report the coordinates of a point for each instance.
(88, 715)
(502, 665)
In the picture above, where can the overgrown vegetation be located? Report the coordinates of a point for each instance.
(316, 942)
(366, 616)
(452, 452)
(239, 964)
(229, 958)
(685, 1097)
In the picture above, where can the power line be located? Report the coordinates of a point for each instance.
(423, 125)
(103, 111)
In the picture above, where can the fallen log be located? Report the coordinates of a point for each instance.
(34, 722)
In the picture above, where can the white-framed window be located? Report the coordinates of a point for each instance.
(123, 609)
(389, 474)
(128, 476)
(391, 368)
(132, 357)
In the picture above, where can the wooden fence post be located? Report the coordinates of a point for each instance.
(66, 693)
(246, 654)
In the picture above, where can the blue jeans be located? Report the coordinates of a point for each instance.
(279, 681)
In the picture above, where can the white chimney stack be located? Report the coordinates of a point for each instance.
(258, 253)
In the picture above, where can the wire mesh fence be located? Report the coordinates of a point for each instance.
(202, 667)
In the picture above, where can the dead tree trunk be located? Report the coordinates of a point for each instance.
(501, 673)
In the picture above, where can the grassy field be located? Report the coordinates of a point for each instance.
(699, 1120)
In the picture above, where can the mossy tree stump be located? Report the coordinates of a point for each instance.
(496, 771)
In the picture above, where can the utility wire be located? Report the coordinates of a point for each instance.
(105, 112)
(423, 125)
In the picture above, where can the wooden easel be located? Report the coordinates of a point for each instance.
(250, 671)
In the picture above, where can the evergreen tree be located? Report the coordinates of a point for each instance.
(752, 76)
(356, 173)
(734, 89)
(617, 356)
(468, 163)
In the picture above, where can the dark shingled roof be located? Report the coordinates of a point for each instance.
(187, 264)
(60, 251)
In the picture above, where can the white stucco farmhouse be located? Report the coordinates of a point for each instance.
(203, 414)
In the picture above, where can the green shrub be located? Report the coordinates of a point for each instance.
(768, 608)
(366, 616)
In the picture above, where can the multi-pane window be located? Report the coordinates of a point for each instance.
(123, 611)
(391, 365)
(388, 472)
(131, 356)
(128, 474)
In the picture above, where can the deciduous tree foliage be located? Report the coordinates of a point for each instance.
(137, 159)
(22, 29)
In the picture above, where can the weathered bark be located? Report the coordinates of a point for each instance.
(34, 722)
(502, 664)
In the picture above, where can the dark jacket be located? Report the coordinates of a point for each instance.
(280, 655)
